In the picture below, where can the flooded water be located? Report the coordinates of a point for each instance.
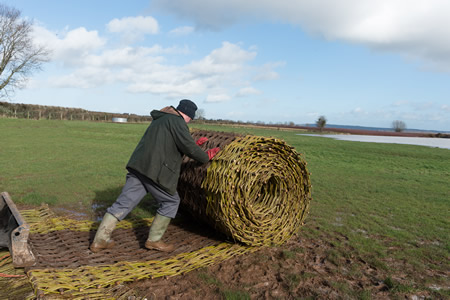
(420, 141)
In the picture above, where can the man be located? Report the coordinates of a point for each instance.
(154, 167)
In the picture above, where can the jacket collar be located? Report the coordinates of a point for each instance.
(171, 110)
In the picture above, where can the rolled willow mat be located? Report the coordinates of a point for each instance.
(256, 190)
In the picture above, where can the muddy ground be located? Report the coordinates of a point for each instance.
(303, 268)
(308, 266)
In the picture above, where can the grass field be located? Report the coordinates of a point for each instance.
(390, 203)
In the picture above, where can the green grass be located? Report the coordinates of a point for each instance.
(396, 287)
(71, 164)
(380, 202)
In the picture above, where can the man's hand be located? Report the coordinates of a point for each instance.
(212, 152)
(201, 141)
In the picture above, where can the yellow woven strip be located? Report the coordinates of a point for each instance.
(44, 221)
(95, 282)
(90, 279)
(13, 288)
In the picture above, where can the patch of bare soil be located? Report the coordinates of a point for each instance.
(303, 268)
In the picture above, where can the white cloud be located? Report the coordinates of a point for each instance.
(170, 89)
(267, 75)
(445, 107)
(90, 62)
(71, 46)
(146, 25)
(217, 98)
(266, 72)
(248, 91)
(235, 114)
(227, 59)
(383, 117)
(400, 103)
(416, 105)
(417, 29)
(185, 30)
(133, 28)
(313, 114)
(126, 57)
(83, 78)
(421, 106)
(358, 111)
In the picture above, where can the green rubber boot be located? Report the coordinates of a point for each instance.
(157, 230)
(102, 238)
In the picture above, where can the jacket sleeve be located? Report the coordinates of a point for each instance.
(186, 144)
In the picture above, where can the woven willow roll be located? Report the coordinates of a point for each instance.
(256, 190)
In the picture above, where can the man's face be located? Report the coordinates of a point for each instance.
(186, 118)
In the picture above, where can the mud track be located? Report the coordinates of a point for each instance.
(300, 269)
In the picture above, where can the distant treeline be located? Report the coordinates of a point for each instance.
(38, 112)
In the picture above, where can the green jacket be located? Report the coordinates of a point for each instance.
(159, 154)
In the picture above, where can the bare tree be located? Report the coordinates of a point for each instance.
(398, 125)
(200, 114)
(321, 122)
(19, 55)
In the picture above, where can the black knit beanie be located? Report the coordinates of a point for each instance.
(187, 107)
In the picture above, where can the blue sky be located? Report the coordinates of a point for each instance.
(357, 62)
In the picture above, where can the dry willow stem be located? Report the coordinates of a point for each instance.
(256, 190)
